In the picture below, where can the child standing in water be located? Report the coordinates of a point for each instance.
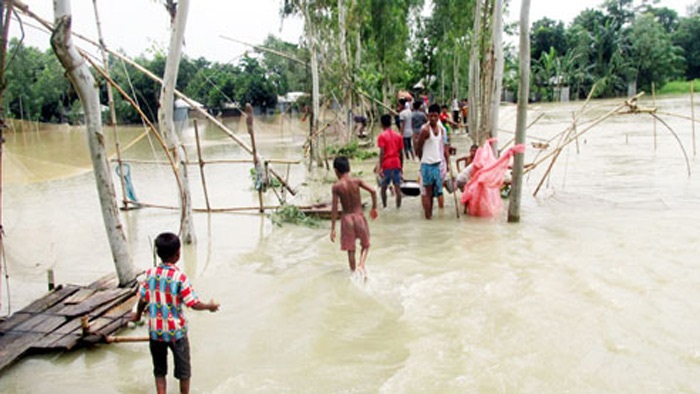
(163, 293)
(353, 224)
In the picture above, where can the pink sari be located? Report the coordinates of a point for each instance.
(482, 194)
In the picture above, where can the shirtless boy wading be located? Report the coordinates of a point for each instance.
(353, 224)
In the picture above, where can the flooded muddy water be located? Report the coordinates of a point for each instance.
(595, 290)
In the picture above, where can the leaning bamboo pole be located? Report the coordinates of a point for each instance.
(586, 129)
(201, 165)
(150, 125)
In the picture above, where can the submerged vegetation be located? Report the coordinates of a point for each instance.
(291, 214)
(352, 151)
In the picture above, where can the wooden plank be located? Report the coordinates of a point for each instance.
(108, 281)
(71, 333)
(41, 324)
(45, 343)
(41, 305)
(123, 308)
(13, 346)
(65, 342)
(97, 299)
(79, 296)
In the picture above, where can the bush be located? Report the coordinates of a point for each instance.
(679, 87)
(352, 151)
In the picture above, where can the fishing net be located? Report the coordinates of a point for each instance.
(482, 193)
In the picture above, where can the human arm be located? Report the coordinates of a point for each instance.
(373, 212)
(446, 153)
(210, 306)
(334, 214)
(140, 307)
(422, 136)
(461, 159)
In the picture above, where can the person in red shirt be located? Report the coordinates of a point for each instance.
(447, 122)
(390, 160)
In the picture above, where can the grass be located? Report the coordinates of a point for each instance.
(352, 151)
(679, 87)
(293, 215)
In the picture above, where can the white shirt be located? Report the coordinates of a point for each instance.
(432, 147)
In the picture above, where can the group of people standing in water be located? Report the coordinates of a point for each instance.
(422, 135)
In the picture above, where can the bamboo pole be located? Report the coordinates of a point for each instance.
(454, 186)
(222, 161)
(393, 112)
(653, 101)
(677, 116)
(115, 339)
(5, 14)
(687, 161)
(692, 114)
(586, 129)
(256, 159)
(110, 102)
(201, 165)
(143, 116)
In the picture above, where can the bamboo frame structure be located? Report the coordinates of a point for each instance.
(49, 26)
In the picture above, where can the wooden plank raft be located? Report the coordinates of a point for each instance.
(57, 321)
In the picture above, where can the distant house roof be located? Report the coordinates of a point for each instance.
(290, 97)
(180, 103)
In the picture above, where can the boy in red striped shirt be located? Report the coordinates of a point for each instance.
(164, 291)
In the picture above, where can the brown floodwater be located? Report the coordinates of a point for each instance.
(595, 290)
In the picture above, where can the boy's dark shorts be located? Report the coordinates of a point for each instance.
(391, 176)
(181, 354)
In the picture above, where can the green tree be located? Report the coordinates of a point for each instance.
(545, 35)
(285, 74)
(654, 58)
(253, 86)
(36, 88)
(687, 37)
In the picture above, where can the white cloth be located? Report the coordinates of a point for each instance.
(463, 177)
(431, 147)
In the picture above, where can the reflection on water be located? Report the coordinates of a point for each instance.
(594, 291)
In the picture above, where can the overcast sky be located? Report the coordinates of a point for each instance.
(137, 26)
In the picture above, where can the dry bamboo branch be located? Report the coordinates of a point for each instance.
(589, 127)
(687, 162)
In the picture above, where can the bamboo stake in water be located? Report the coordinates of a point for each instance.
(256, 159)
(692, 114)
(653, 100)
(201, 165)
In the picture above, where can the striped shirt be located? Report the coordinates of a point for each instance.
(165, 289)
